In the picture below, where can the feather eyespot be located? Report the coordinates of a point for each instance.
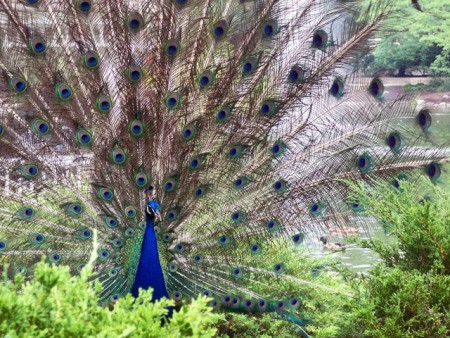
(317, 209)
(73, 209)
(140, 179)
(236, 151)
(170, 184)
(296, 75)
(237, 273)
(434, 171)
(83, 137)
(320, 40)
(424, 119)
(40, 127)
(200, 191)
(103, 254)
(37, 239)
(206, 79)
(294, 303)
(280, 186)
(63, 91)
(130, 212)
(256, 249)
(129, 232)
(272, 226)
(278, 148)
(248, 304)
(110, 221)
(270, 28)
(105, 194)
(197, 163)
(103, 103)
(172, 100)
(357, 206)
(220, 29)
(54, 258)
(136, 128)
(238, 217)
(177, 296)
(173, 266)
(223, 114)
(134, 73)
(268, 108)
(84, 234)
(189, 132)
(241, 182)
(117, 243)
(376, 88)
(278, 268)
(37, 45)
(281, 306)
(337, 88)
(198, 259)
(29, 171)
(249, 66)
(172, 47)
(91, 60)
(84, 5)
(172, 214)
(225, 240)
(18, 85)
(364, 163)
(298, 238)
(394, 142)
(135, 21)
(118, 155)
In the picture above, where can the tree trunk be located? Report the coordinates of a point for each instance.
(402, 71)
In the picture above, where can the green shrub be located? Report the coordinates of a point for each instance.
(409, 294)
(437, 84)
(418, 216)
(56, 304)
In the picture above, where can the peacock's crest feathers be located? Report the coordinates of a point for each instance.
(245, 117)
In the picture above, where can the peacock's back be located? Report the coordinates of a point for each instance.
(245, 116)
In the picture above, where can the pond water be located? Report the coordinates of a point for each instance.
(356, 258)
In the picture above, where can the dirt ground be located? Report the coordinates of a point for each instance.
(436, 101)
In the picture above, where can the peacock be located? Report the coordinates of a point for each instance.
(188, 142)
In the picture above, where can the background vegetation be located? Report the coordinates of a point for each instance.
(411, 40)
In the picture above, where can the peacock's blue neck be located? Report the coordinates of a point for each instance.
(149, 273)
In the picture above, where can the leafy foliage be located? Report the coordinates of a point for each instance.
(408, 295)
(55, 304)
(404, 51)
(419, 217)
(416, 40)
